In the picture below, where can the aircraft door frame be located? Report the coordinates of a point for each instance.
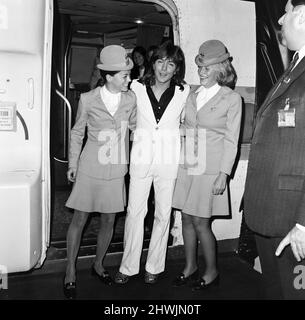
(25, 54)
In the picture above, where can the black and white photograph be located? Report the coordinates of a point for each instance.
(152, 154)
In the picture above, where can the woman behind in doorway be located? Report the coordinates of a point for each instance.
(98, 171)
(150, 51)
(212, 121)
(138, 56)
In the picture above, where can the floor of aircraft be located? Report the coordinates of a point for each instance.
(62, 217)
(238, 281)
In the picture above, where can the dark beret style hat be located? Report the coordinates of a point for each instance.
(114, 58)
(211, 52)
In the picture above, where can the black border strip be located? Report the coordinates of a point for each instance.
(26, 131)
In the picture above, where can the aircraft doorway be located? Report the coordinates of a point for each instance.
(81, 29)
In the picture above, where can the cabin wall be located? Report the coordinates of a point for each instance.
(230, 21)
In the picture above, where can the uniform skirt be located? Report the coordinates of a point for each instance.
(97, 195)
(193, 195)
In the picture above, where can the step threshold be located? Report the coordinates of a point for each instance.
(56, 257)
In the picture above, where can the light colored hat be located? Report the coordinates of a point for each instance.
(211, 52)
(114, 58)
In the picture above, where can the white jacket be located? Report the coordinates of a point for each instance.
(156, 146)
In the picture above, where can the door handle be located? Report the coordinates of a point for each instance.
(68, 126)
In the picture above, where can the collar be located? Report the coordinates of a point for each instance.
(107, 94)
(301, 54)
(212, 89)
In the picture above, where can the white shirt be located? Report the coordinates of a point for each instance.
(299, 226)
(111, 100)
(205, 94)
(301, 55)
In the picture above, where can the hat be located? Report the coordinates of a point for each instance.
(211, 52)
(114, 58)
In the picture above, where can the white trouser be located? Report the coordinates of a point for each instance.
(139, 189)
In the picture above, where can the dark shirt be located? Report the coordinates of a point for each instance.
(160, 106)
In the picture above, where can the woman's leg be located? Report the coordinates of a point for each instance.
(73, 241)
(103, 240)
(190, 244)
(208, 246)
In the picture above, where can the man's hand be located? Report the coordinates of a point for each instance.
(296, 239)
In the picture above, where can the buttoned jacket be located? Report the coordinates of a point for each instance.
(212, 132)
(156, 146)
(106, 151)
(274, 198)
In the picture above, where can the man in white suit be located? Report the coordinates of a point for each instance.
(154, 159)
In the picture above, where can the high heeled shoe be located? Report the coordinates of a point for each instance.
(104, 277)
(69, 290)
(182, 280)
(202, 285)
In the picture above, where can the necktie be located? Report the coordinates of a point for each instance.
(289, 69)
(285, 76)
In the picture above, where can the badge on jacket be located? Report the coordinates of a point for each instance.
(286, 116)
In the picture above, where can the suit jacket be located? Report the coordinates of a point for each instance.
(274, 192)
(212, 132)
(105, 154)
(156, 146)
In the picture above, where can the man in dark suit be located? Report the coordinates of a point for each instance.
(274, 200)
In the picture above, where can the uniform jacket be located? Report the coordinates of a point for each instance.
(105, 154)
(156, 145)
(274, 192)
(218, 120)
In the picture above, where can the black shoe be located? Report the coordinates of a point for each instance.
(150, 278)
(69, 289)
(121, 278)
(201, 285)
(182, 280)
(104, 277)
